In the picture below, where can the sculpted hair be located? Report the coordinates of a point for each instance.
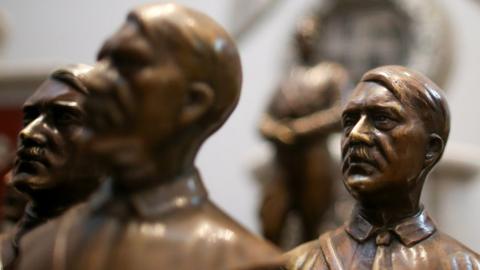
(73, 76)
(200, 47)
(418, 92)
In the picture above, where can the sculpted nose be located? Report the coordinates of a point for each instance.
(34, 132)
(362, 131)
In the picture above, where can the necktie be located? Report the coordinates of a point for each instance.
(383, 259)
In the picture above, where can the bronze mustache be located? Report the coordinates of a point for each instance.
(33, 153)
(360, 154)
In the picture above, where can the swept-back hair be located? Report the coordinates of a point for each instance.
(73, 75)
(418, 92)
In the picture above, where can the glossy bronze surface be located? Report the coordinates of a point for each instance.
(164, 82)
(303, 113)
(395, 127)
(50, 168)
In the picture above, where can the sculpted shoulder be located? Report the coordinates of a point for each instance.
(317, 254)
(36, 249)
(462, 260)
(308, 256)
(459, 256)
(243, 248)
(7, 251)
(202, 237)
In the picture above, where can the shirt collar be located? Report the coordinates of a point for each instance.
(186, 191)
(410, 230)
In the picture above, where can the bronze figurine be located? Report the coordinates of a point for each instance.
(166, 81)
(49, 167)
(303, 113)
(395, 127)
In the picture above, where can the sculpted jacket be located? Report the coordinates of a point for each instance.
(9, 241)
(412, 244)
(173, 226)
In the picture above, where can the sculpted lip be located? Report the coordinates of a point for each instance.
(33, 155)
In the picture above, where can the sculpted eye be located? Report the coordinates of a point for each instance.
(65, 117)
(349, 120)
(383, 122)
(29, 114)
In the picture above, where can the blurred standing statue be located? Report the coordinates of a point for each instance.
(49, 167)
(395, 128)
(303, 113)
(166, 81)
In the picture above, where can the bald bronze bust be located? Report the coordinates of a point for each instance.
(395, 127)
(49, 166)
(166, 81)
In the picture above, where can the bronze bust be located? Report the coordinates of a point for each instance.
(49, 166)
(166, 81)
(395, 127)
(304, 112)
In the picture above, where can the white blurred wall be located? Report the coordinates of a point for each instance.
(48, 33)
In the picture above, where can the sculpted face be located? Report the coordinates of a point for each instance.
(384, 143)
(49, 140)
(132, 64)
(166, 80)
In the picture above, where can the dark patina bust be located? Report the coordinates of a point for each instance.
(49, 167)
(166, 81)
(395, 127)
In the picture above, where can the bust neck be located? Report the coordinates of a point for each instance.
(390, 208)
(50, 203)
(386, 216)
(157, 166)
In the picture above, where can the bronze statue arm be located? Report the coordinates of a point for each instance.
(287, 131)
(318, 122)
(275, 130)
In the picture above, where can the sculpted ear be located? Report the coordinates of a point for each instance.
(434, 150)
(199, 99)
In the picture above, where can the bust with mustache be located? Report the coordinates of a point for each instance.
(395, 127)
(50, 168)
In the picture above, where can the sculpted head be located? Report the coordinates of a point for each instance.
(53, 123)
(181, 68)
(395, 127)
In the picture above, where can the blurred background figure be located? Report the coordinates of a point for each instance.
(303, 113)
